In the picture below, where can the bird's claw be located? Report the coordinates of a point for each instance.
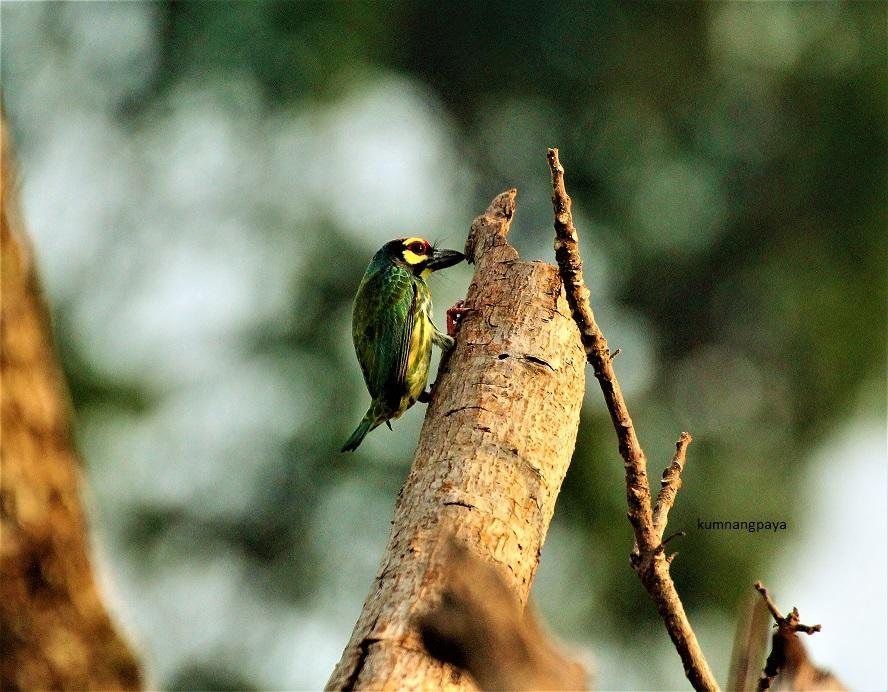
(454, 315)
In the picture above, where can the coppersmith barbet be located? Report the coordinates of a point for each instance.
(393, 331)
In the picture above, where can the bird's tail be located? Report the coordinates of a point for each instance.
(368, 422)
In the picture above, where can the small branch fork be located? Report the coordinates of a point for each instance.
(788, 654)
(791, 621)
(648, 557)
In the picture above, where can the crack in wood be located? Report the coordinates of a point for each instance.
(464, 408)
(538, 361)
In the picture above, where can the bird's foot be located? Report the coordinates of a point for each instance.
(426, 396)
(454, 315)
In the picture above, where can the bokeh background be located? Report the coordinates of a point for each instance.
(205, 182)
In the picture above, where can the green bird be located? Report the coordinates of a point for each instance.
(393, 331)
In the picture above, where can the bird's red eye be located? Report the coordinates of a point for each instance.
(417, 248)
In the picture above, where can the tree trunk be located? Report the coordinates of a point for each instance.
(56, 633)
(493, 452)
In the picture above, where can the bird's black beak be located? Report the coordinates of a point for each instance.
(441, 259)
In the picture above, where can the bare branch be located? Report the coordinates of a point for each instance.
(648, 557)
(788, 657)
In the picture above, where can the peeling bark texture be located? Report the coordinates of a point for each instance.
(492, 454)
(480, 626)
(56, 633)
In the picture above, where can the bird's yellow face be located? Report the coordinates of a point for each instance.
(416, 251)
(420, 256)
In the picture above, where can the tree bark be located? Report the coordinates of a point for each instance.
(493, 451)
(56, 633)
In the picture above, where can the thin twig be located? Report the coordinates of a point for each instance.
(648, 558)
(567, 254)
(775, 613)
(670, 484)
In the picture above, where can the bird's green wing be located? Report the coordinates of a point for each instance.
(383, 323)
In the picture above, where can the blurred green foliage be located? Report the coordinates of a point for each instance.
(727, 164)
